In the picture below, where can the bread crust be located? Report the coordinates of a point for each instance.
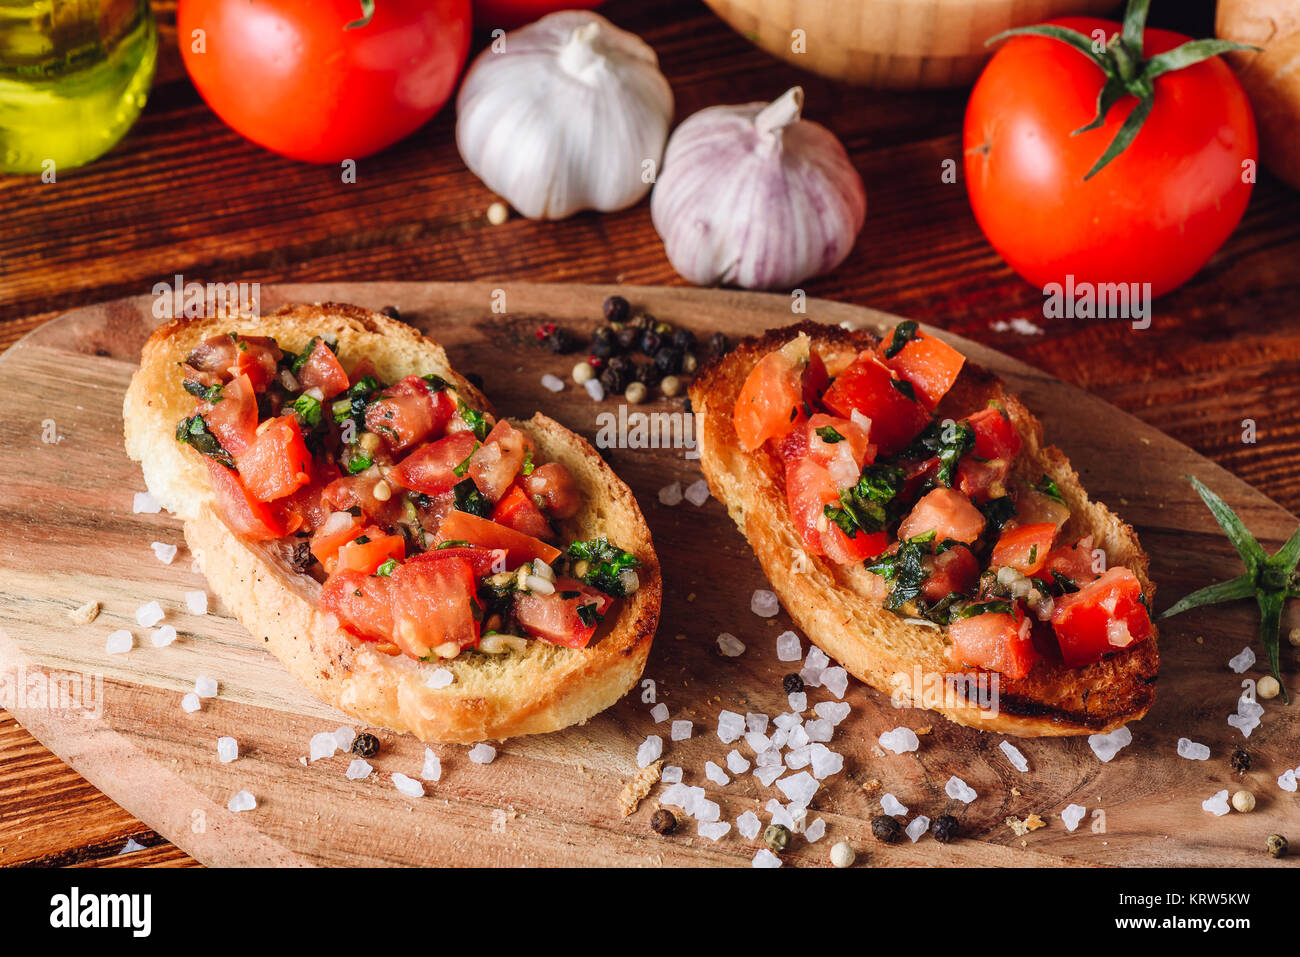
(830, 602)
(543, 688)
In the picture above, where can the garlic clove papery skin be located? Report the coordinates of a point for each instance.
(572, 114)
(755, 196)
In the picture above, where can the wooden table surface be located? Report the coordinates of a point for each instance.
(183, 194)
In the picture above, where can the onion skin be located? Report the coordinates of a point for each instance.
(754, 196)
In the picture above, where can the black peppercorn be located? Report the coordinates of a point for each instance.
(718, 344)
(944, 828)
(663, 821)
(560, 341)
(650, 342)
(647, 373)
(392, 312)
(626, 339)
(614, 378)
(1239, 761)
(615, 309)
(792, 683)
(885, 828)
(474, 379)
(683, 339)
(365, 745)
(602, 343)
(669, 360)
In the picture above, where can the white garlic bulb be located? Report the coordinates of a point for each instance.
(755, 196)
(565, 114)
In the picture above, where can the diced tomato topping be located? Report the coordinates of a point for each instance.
(809, 488)
(947, 513)
(844, 549)
(247, 517)
(840, 446)
(981, 474)
(953, 570)
(555, 486)
(1075, 562)
(772, 398)
(870, 387)
(233, 418)
(407, 413)
(931, 365)
(431, 468)
(305, 510)
(1033, 507)
(494, 464)
(276, 463)
(518, 511)
(484, 561)
(337, 529)
(1024, 548)
(1102, 617)
(229, 356)
(995, 642)
(366, 556)
(463, 527)
(323, 371)
(557, 618)
(347, 492)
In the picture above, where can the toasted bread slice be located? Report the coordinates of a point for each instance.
(543, 688)
(830, 602)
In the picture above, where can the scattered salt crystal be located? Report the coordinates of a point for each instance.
(730, 645)
(486, 754)
(242, 801)
(594, 389)
(780, 813)
(815, 831)
(779, 738)
(737, 763)
(1189, 749)
(959, 790)
(149, 615)
(836, 681)
(749, 824)
(344, 737)
(767, 775)
(205, 687)
(832, 711)
(553, 383)
(768, 758)
(164, 636)
(197, 602)
(681, 730)
(119, 642)
(659, 712)
(1015, 756)
(132, 845)
(826, 762)
(145, 504)
(707, 811)
(1287, 782)
(765, 858)
(1249, 711)
(1106, 746)
(892, 806)
(788, 721)
(674, 795)
(713, 829)
(813, 666)
(440, 678)
(1242, 661)
(730, 726)
(799, 814)
(756, 721)
(227, 749)
(820, 730)
(900, 740)
(1072, 815)
(651, 749)
(800, 757)
(358, 769)
(788, 647)
(715, 774)
(697, 493)
(432, 770)
(323, 745)
(671, 495)
(191, 703)
(671, 774)
(917, 826)
(797, 737)
(408, 786)
(1218, 804)
(764, 603)
(758, 741)
(798, 701)
(163, 552)
(799, 788)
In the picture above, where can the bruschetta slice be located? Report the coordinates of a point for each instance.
(412, 559)
(917, 529)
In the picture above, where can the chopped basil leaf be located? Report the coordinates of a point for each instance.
(904, 333)
(301, 358)
(308, 410)
(387, 568)
(459, 470)
(210, 394)
(194, 432)
(358, 461)
(468, 498)
(452, 543)
(436, 383)
(475, 420)
(828, 435)
(587, 614)
(1049, 488)
(905, 387)
(528, 462)
(999, 607)
(866, 506)
(997, 511)
(948, 443)
(605, 563)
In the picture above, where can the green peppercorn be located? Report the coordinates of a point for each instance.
(663, 821)
(885, 829)
(1276, 845)
(776, 837)
(365, 745)
(944, 828)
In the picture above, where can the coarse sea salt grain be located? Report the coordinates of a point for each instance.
(815, 831)
(788, 647)
(594, 389)
(959, 790)
(119, 642)
(836, 681)
(1242, 661)
(780, 814)
(832, 711)
(205, 687)
(730, 726)
(671, 495)
(900, 740)
(826, 762)
(1015, 756)
(737, 763)
(798, 701)
(162, 637)
(892, 806)
(408, 786)
(1249, 711)
(227, 749)
(1106, 746)
(242, 801)
(799, 788)
(651, 749)
(1072, 815)
(149, 614)
(1287, 782)
(765, 858)
(671, 774)
(917, 826)
(697, 493)
(681, 730)
(439, 678)
(359, 769)
(756, 721)
(486, 754)
(707, 811)
(819, 730)
(797, 737)
(163, 552)
(798, 758)
(1187, 748)
(344, 737)
(713, 829)
(1217, 804)
(716, 774)
(764, 603)
(191, 703)
(659, 712)
(145, 504)
(730, 645)
(749, 824)
(432, 770)
(552, 383)
(197, 602)
(767, 775)
(322, 745)
(779, 738)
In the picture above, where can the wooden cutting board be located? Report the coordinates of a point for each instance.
(66, 491)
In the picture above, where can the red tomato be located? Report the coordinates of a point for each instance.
(1024, 548)
(333, 533)
(1155, 214)
(247, 517)
(294, 77)
(508, 14)
(365, 557)
(431, 468)
(1102, 617)
(322, 371)
(871, 389)
(463, 527)
(277, 462)
(809, 488)
(995, 642)
(556, 618)
(407, 413)
(558, 491)
(931, 365)
(233, 420)
(484, 561)
(983, 473)
(1075, 561)
(845, 456)
(496, 462)
(306, 510)
(358, 491)
(518, 511)
(947, 513)
(953, 570)
(772, 399)
(229, 355)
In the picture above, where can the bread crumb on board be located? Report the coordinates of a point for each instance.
(629, 799)
(86, 613)
(1031, 823)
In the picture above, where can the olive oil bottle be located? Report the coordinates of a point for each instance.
(74, 76)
